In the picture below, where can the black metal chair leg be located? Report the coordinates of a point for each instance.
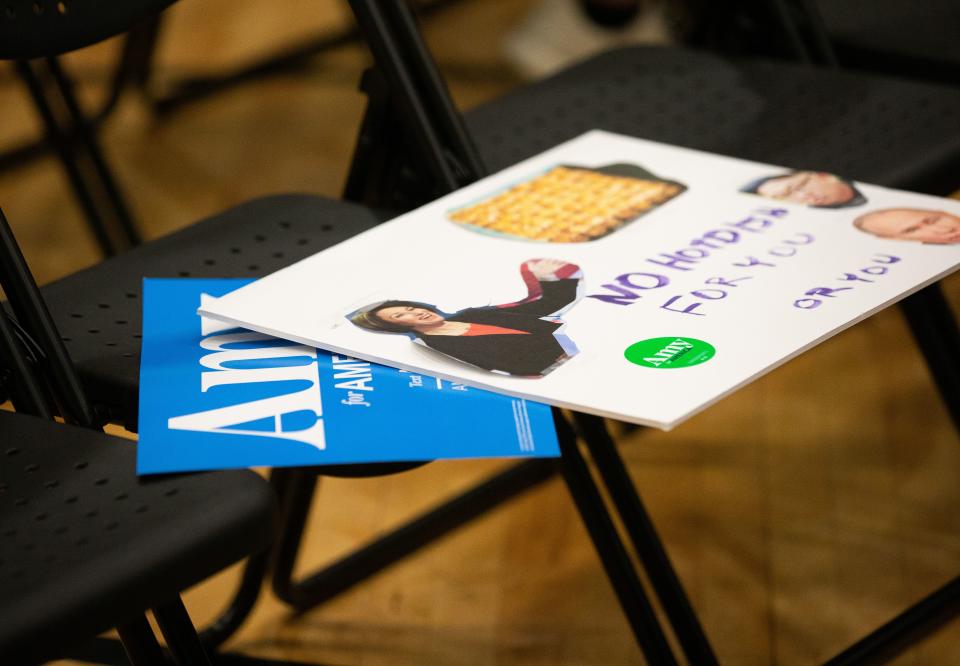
(905, 629)
(60, 141)
(135, 64)
(140, 643)
(935, 330)
(646, 541)
(616, 562)
(295, 503)
(133, 69)
(91, 145)
(372, 558)
(360, 565)
(242, 603)
(288, 59)
(181, 635)
(248, 591)
(71, 133)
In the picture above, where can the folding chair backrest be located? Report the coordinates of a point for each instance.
(38, 28)
(780, 28)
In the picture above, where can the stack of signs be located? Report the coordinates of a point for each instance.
(614, 276)
(214, 396)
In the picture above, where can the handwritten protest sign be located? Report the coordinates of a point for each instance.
(613, 275)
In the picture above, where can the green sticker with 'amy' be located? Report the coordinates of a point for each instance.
(670, 352)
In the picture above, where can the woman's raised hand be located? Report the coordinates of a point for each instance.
(546, 269)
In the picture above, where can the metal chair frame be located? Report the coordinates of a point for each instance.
(405, 85)
(52, 376)
(406, 91)
(72, 135)
(404, 63)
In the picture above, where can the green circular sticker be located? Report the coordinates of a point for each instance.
(670, 353)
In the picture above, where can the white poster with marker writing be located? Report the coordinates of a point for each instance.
(612, 275)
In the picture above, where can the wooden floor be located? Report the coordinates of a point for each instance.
(800, 512)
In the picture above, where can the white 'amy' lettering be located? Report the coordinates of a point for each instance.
(668, 352)
(226, 419)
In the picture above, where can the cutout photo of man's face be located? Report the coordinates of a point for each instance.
(913, 224)
(812, 188)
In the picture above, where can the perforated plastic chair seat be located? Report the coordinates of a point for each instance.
(879, 130)
(86, 545)
(99, 311)
(38, 28)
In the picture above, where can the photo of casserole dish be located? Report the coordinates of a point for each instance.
(569, 204)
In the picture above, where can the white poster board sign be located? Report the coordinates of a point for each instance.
(612, 275)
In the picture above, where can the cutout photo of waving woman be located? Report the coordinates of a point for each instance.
(523, 338)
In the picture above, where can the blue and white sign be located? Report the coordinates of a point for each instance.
(213, 396)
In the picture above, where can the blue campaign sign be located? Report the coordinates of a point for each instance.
(214, 397)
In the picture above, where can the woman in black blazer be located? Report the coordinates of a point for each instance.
(521, 338)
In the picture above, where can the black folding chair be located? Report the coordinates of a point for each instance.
(892, 132)
(98, 313)
(33, 34)
(87, 545)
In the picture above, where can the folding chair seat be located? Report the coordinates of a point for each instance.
(886, 131)
(98, 310)
(87, 546)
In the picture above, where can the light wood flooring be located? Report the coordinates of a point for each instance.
(800, 512)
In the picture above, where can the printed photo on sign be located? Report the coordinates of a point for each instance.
(816, 189)
(569, 204)
(524, 338)
(937, 227)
